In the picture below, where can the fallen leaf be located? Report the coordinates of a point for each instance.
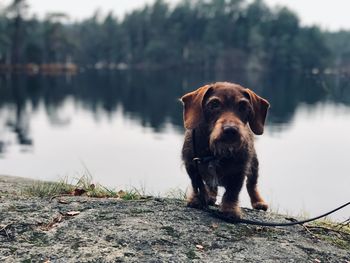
(121, 193)
(62, 201)
(78, 191)
(214, 226)
(53, 223)
(57, 219)
(317, 260)
(72, 213)
(200, 247)
(259, 228)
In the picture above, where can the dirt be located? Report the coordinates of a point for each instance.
(82, 229)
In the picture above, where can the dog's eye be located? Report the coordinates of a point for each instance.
(244, 109)
(243, 106)
(214, 104)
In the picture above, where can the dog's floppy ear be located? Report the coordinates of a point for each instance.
(260, 107)
(193, 112)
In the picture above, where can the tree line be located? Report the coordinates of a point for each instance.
(201, 34)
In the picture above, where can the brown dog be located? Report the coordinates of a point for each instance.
(220, 119)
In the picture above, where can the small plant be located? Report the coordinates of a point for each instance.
(84, 186)
(129, 195)
(45, 189)
(176, 193)
(191, 254)
(336, 233)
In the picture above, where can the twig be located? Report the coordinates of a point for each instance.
(4, 227)
(308, 230)
(61, 195)
(54, 221)
(343, 224)
(5, 230)
(330, 230)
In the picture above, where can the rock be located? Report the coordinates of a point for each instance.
(149, 230)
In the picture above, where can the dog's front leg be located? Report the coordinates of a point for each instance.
(252, 186)
(199, 197)
(230, 203)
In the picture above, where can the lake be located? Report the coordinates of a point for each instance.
(125, 127)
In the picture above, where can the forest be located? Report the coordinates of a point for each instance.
(194, 34)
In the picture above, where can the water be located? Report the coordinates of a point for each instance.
(126, 129)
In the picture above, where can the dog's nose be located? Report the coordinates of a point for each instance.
(230, 131)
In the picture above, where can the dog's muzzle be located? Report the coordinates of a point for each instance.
(230, 133)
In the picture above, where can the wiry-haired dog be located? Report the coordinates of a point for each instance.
(220, 120)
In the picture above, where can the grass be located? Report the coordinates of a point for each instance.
(336, 233)
(83, 186)
(48, 189)
(176, 193)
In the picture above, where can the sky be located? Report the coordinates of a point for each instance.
(329, 14)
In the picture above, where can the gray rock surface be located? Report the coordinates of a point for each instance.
(148, 230)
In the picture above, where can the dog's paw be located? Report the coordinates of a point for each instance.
(211, 201)
(260, 206)
(233, 212)
(196, 202)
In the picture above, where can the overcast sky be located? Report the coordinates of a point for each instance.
(329, 14)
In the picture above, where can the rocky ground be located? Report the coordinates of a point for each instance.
(82, 229)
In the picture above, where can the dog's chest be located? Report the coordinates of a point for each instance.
(218, 172)
(213, 179)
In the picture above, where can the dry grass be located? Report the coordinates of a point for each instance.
(83, 186)
(334, 232)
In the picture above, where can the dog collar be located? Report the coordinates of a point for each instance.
(205, 159)
(198, 160)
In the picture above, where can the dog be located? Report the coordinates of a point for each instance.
(218, 149)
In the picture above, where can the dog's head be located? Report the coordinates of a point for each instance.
(227, 110)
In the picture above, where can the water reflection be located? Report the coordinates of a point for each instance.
(151, 97)
(127, 128)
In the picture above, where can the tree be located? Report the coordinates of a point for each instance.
(17, 11)
(201, 34)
